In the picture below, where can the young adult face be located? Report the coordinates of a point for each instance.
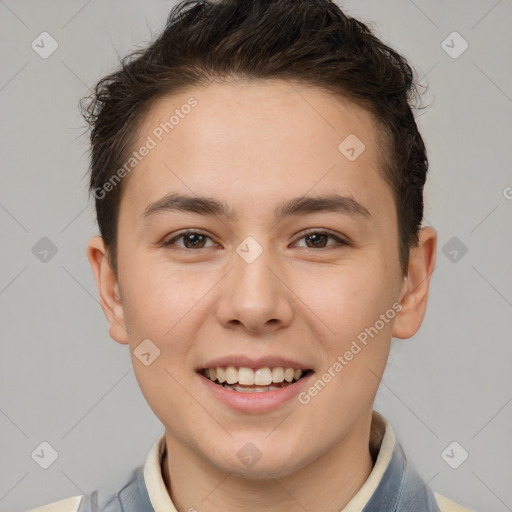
(289, 295)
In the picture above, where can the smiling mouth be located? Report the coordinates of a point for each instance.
(248, 380)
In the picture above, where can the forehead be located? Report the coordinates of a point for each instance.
(257, 140)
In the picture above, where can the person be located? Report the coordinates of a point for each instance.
(258, 180)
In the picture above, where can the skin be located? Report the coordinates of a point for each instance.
(255, 145)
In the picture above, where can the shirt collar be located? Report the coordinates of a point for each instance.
(382, 442)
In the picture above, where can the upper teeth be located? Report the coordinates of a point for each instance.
(248, 376)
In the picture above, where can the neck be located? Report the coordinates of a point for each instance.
(328, 483)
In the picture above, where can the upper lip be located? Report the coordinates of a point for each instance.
(240, 361)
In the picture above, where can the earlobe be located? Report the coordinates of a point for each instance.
(108, 288)
(415, 287)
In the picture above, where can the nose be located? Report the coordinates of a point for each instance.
(254, 296)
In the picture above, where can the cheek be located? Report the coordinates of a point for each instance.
(351, 304)
(159, 298)
(160, 307)
(168, 306)
(346, 300)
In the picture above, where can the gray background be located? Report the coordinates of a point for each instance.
(64, 381)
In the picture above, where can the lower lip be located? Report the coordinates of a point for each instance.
(255, 402)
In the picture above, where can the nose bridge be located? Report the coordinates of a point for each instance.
(256, 297)
(252, 274)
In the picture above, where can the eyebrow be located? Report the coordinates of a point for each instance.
(332, 203)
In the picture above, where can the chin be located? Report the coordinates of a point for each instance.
(270, 460)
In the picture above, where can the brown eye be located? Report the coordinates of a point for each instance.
(191, 240)
(319, 240)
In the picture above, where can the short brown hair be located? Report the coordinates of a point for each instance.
(309, 41)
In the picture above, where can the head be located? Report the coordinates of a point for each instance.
(280, 136)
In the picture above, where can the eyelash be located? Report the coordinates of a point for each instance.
(340, 242)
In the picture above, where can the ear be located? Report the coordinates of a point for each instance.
(108, 288)
(414, 291)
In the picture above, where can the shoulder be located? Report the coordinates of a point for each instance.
(123, 493)
(67, 505)
(447, 505)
